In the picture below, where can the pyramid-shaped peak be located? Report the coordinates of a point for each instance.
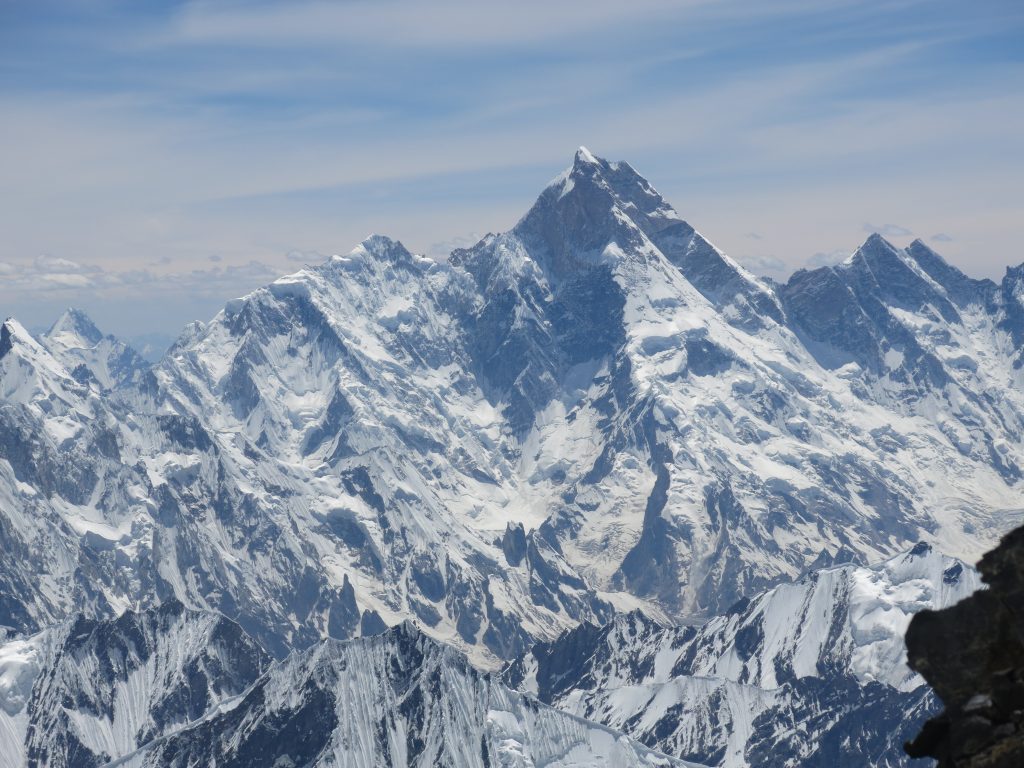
(875, 241)
(881, 256)
(75, 324)
(901, 277)
(586, 207)
(874, 250)
(379, 248)
(599, 183)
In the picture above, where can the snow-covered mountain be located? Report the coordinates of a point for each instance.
(592, 413)
(724, 436)
(90, 356)
(397, 699)
(171, 686)
(85, 692)
(74, 514)
(812, 673)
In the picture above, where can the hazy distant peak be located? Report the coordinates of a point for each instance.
(74, 324)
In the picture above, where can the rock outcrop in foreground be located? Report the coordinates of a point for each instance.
(973, 655)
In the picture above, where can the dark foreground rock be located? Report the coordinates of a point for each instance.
(973, 656)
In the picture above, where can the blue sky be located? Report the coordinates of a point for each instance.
(161, 157)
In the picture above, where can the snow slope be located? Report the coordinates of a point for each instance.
(171, 686)
(87, 692)
(805, 674)
(397, 699)
(104, 361)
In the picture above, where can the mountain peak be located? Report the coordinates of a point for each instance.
(876, 251)
(591, 186)
(75, 323)
(87, 354)
(379, 248)
(588, 166)
(875, 240)
(29, 373)
(585, 157)
(376, 242)
(11, 332)
(960, 288)
(6, 338)
(596, 202)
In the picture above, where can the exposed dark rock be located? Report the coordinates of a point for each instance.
(973, 656)
(513, 544)
(6, 340)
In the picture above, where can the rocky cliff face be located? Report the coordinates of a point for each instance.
(973, 655)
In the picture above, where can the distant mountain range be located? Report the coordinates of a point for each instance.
(596, 418)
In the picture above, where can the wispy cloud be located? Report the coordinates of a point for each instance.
(128, 301)
(305, 257)
(887, 230)
(443, 248)
(438, 24)
(166, 139)
(766, 266)
(827, 258)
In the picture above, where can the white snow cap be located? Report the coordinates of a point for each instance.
(584, 155)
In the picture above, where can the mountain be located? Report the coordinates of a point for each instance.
(73, 515)
(924, 338)
(397, 699)
(89, 355)
(331, 435)
(702, 434)
(171, 686)
(596, 418)
(86, 692)
(812, 673)
(593, 413)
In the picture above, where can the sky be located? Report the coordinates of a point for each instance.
(160, 158)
